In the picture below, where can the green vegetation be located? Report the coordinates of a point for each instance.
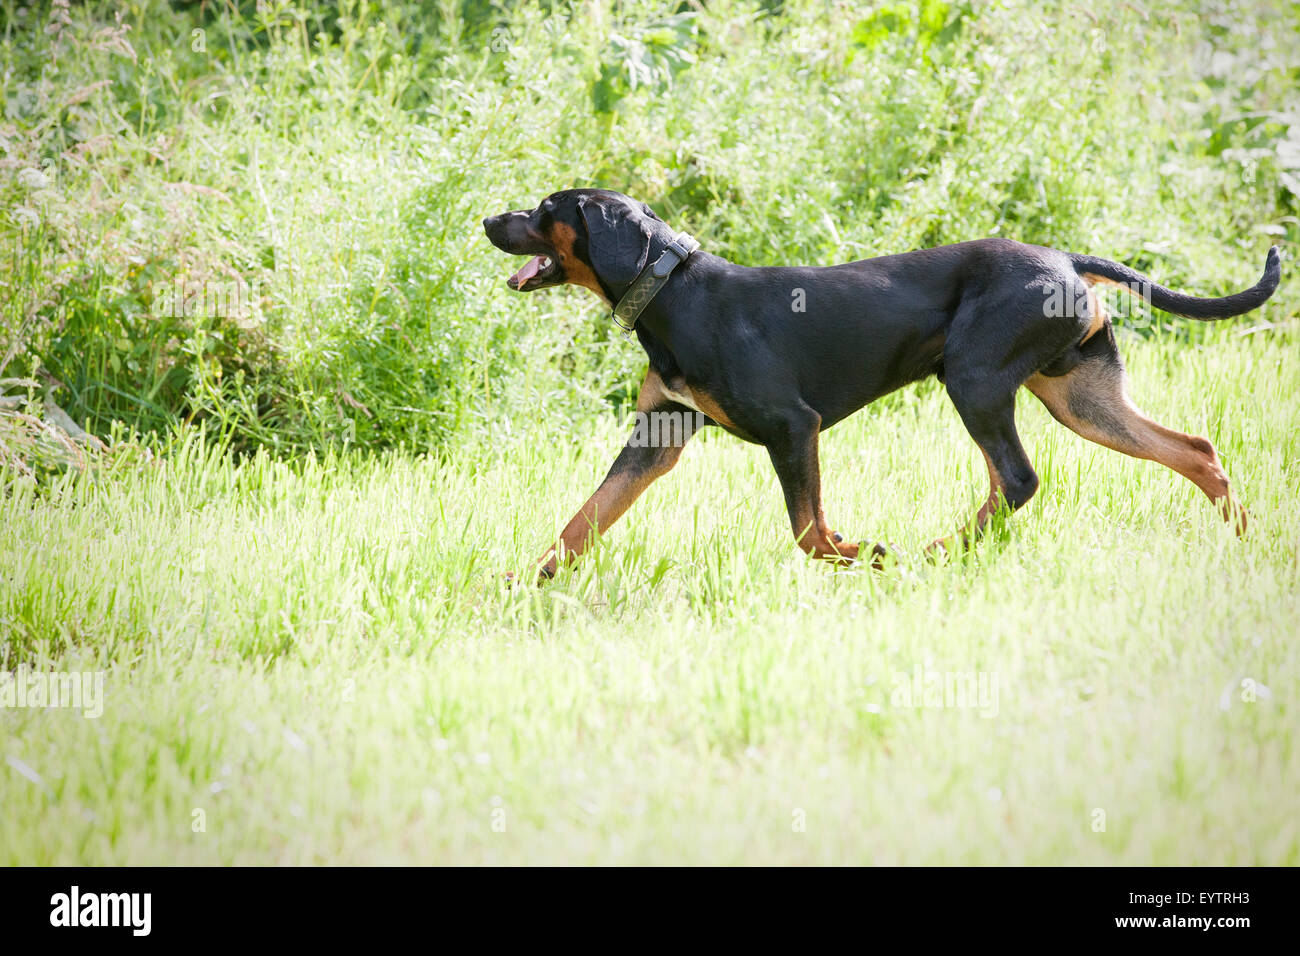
(282, 531)
(337, 159)
(323, 659)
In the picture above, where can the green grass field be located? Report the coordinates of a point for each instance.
(273, 509)
(318, 662)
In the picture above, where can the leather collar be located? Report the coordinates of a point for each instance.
(652, 278)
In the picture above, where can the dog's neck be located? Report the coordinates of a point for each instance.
(660, 323)
(656, 272)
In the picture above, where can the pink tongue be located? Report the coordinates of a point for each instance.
(530, 269)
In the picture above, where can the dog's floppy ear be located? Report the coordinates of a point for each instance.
(618, 241)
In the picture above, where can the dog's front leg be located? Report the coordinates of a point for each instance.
(795, 456)
(652, 450)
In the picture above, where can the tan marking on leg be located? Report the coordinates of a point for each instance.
(706, 403)
(813, 534)
(651, 394)
(610, 501)
(618, 491)
(818, 540)
(702, 401)
(994, 500)
(808, 522)
(963, 538)
(1092, 400)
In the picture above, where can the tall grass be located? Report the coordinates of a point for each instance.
(322, 660)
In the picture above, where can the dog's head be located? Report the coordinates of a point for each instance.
(595, 238)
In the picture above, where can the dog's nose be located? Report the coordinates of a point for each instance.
(487, 221)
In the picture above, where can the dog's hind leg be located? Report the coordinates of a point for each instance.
(989, 416)
(1092, 399)
(999, 337)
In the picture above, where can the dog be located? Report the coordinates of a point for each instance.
(776, 355)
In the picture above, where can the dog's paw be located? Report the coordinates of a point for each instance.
(942, 550)
(877, 555)
(841, 554)
(845, 555)
(939, 549)
(544, 574)
(1235, 515)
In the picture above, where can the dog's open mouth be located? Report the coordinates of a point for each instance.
(536, 272)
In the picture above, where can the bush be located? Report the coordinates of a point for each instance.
(324, 167)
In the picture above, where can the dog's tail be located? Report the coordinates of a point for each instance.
(1091, 268)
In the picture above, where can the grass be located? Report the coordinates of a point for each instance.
(317, 661)
(279, 532)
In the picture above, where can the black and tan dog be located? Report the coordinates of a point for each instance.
(776, 355)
